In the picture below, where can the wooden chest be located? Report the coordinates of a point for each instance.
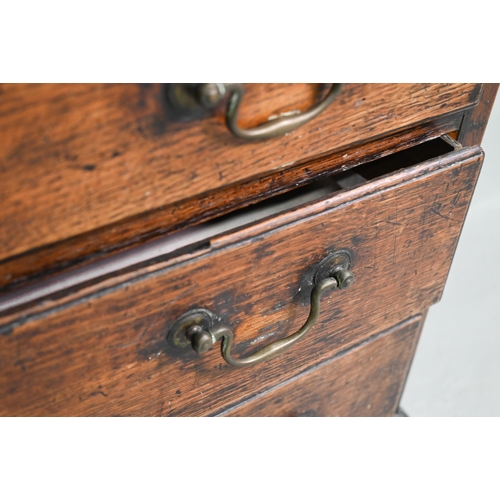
(293, 235)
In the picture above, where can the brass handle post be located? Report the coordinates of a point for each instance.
(206, 96)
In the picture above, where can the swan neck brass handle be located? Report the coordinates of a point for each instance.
(189, 99)
(201, 329)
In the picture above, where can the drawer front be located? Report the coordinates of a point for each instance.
(95, 155)
(366, 381)
(106, 353)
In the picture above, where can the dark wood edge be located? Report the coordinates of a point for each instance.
(476, 118)
(401, 413)
(73, 253)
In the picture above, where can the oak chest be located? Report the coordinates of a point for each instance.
(226, 249)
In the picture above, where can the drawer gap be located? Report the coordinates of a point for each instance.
(197, 239)
(317, 190)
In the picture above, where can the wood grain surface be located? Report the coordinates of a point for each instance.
(78, 251)
(75, 158)
(105, 353)
(366, 381)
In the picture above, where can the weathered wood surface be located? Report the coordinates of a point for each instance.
(366, 381)
(78, 251)
(106, 354)
(76, 158)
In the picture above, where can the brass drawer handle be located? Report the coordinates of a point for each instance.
(209, 95)
(201, 329)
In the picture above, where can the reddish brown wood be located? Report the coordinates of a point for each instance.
(106, 353)
(106, 268)
(366, 381)
(75, 158)
(476, 119)
(132, 233)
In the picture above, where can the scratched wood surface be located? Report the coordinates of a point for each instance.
(75, 158)
(52, 260)
(366, 381)
(106, 353)
(111, 270)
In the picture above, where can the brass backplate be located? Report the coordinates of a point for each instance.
(340, 259)
(177, 336)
